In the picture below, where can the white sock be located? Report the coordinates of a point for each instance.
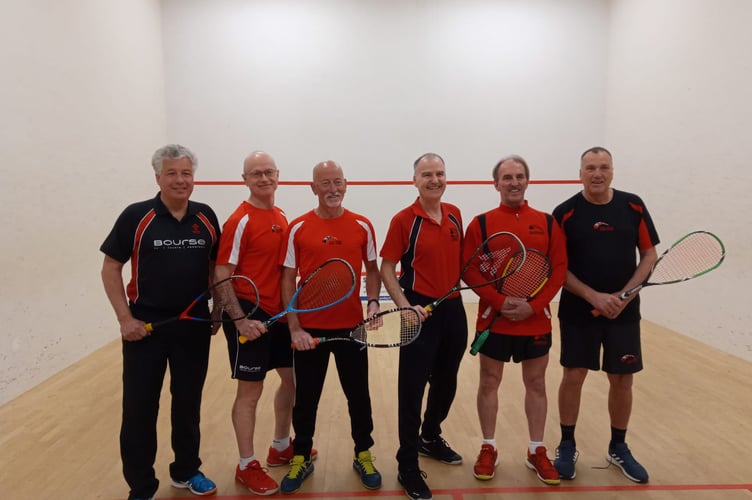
(534, 445)
(243, 462)
(492, 442)
(281, 444)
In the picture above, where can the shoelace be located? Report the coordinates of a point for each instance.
(541, 462)
(366, 461)
(486, 455)
(200, 482)
(296, 467)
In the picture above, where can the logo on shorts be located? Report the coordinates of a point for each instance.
(629, 359)
(540, 340)
(603, 226)
(249, 369)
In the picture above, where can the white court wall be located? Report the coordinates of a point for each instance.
(82, 103)
(87, 96)
(679, 122)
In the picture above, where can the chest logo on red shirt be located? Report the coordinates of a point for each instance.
(603, 226)
(535, 229)
(276, 228)
(454, 234)
(331, 240)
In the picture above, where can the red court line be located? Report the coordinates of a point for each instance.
(383, 183)
(459, 493)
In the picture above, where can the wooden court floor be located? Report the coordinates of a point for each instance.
(691, 428)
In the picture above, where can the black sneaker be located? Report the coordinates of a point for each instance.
(414, 484)
(440, 450)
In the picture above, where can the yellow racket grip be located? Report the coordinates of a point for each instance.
(149, 327)
(429, 308)
(242, 339)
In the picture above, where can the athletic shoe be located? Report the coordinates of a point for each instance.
(413, 483)
(198, 485)
(255, 478)
(619, 454)
(369, 476)
(566, 456)
(440, 450)
(485, 466)
(542, 466)
(299, 470)
(275, 458)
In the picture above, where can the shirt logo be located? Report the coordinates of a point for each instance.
(331, 240)
(276, 228)
(535, 229)
(453, 233)
(196, 229)
(603, 226)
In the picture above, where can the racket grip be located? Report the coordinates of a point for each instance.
(595, 313)
(149, 327)
(242, 339)
(429, 308)
(478, 343)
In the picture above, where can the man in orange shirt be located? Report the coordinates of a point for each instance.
(522, 332)
(426, 239)
(251, 239)
(330, 231)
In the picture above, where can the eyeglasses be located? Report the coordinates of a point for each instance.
(258, 174)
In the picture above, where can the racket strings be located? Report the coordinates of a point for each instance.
(691, 257)
(391, 328)
(330, 283)
(529, 278)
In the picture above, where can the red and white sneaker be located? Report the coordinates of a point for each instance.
(542, 466)
(255, 478)
(276, 458)
(485, 466)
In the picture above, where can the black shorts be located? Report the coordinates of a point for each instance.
(502, 347)
(252, 360)
(581, 346)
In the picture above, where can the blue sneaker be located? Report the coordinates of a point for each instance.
(619, 454)
(566, 456)
(369, 476)
(198, 485)
(299, 470)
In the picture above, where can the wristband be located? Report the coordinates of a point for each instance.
(372, 300)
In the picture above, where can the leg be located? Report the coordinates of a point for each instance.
(620, 399)
(284, 400)
(144, 366)
(491, 372)
(352, 369)
(188, 361)
(310, 373)
(536, 404)
(570, 394)
(244, 414)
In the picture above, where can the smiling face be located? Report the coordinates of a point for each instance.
(430, 178)
(260, 175)
(175, 180)
(596, 174)
(330, 185)
(511, 183)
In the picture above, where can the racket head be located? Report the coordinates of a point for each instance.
(693, 255)
(533, 271)
(500, 255)
(330, 284)
(244, 289)
(392, 328)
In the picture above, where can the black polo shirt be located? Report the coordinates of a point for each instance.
(169, 258)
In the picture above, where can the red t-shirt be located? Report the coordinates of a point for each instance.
(429, 253)
(310, 240)
(251, 240)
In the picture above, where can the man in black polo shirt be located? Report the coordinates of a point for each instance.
(171, 243)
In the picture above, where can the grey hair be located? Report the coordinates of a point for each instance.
(515, 158)
(172, 152)
(429, 156)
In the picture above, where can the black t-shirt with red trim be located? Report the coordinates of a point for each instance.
(170, 259)
(602, 241)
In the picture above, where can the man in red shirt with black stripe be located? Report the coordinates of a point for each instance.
(426, 240)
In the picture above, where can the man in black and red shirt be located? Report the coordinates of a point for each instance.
(604, 229)
(171, 243)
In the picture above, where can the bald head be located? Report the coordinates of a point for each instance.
(258, 161)
(327, 169)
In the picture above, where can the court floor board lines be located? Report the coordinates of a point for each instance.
(690, 428)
